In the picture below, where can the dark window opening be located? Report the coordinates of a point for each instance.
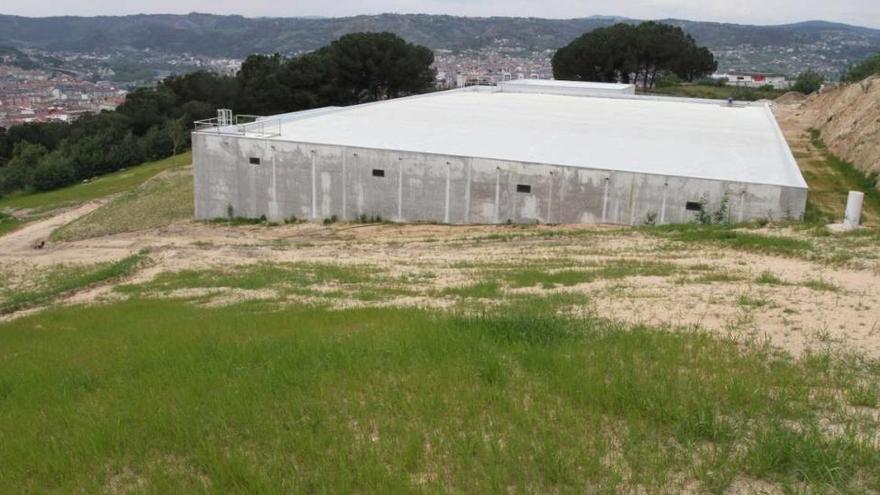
(693, 206)
(378, 172)
(523, 188)
(254, 160)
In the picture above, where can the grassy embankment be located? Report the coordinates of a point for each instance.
(830, 179)
(160, 201)
(164, 396)
(38, 204)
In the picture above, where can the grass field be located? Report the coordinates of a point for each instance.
(106, 185)
(161, 396)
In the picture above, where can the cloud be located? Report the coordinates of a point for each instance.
(860, 12)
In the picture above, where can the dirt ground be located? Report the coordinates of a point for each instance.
(793, 316)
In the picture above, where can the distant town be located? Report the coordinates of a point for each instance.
(89, 83)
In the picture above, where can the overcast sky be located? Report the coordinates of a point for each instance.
(860, 12)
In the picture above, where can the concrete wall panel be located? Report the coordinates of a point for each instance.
(316, 181)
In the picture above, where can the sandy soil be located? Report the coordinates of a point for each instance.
(793, 317)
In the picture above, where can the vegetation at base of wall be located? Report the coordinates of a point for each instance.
(633, 53)
(107, 185)
(65, 280)
(257, 399)
(155, 123)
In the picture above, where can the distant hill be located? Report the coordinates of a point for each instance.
(820, 45)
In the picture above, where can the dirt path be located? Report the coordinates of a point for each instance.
(23, 241)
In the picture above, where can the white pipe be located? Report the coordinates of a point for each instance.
(853, 210)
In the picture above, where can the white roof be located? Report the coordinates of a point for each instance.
(672, 137)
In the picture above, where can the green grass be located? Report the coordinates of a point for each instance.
(864, 394)
(65, 280)
(162, 396)
(729, 237)
(8, 223)
(158, 202)
(819, 284)
(748, 301)
(768, 278)
(530, 277)
(123, 180)
(295, 278)
(489, 289)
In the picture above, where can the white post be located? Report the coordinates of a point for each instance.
(853, 210)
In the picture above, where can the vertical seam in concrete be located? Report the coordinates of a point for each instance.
(400, 190)
(632, 201)
(605, 201)
(274, 184)
(467, 194)
(742, 205)
(663, 203)
(314, 186)
(344, 160)
(448, 178)
(497, 193)
(550, 199)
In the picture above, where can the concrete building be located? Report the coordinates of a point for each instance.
(497, 155)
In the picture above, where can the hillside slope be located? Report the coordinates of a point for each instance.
(849, 119)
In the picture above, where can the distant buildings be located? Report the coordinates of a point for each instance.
(754, 80)
(45, 96)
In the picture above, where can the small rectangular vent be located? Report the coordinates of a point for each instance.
(378, 172)
(693, 206)
(254, 160)
(523, 188)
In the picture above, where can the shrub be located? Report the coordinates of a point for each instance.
(52, 172)
(808, 82)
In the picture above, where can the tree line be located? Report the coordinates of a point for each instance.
(862, 70)
(637, 54)
(155, 123)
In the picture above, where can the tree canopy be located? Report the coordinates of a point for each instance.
(808, 82)
(633, 54)
(155, 122)
(863, 69)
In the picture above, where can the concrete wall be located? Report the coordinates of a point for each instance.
(312, 181)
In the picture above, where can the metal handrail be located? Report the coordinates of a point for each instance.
(245, 125)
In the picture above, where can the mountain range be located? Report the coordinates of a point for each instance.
(825, 46)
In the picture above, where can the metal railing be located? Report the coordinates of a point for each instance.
(239, 125)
